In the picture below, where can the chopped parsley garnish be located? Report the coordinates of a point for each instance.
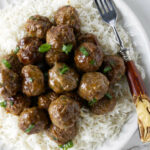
(6, 63)
(16, 50)
(107, 69)
(28, 130)
(44, 48)
(92, 62)
(67, 48)
(67, 145)
(64, 69)
(84, 51)
(33, 18)
(92, 102)
(30, 79)
(11, 103)
(108, 96)
(3, 104)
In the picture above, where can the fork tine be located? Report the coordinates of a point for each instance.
(102, 4)
(105, 1)
(97, 4)
(111, 3)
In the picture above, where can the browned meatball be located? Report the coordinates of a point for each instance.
(105, 105)
(15, 105)
(94, 85)
(28, 53)
(113, 67)
(45, 100)
(88, 37)
(10, 81)
(60, 35)
(53, 56)
(62, 78)
(68, 15)
(62, 136)
(33, 80)
(33, 120)
(15, 64)
(88, 57)
(74, 96)
(64, 112)
(37, 26)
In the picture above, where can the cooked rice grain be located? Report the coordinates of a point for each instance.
(93, 130)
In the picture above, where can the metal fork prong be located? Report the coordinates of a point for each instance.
(108, 7)
(111, 4)
(102, 4)
(97, 4)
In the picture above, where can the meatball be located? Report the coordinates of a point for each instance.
(10, 82)
(45, 100)
(62, 78)
(64, 112)
(15, 64)
(33, 80)
(94, 85)
(37, 26)
(105, 105)
(53, 56)
(62, 136)
(16, 104)
(68, 15)
(88, 37)
(33, 120)
(59, 36)
(88, 57)
(28, 53)
(74, 96)
(114, 68)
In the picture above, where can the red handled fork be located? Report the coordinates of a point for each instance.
(137, 87)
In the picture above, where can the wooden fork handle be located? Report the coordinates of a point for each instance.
(141, 100)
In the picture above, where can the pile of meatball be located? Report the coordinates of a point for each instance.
(47, 88)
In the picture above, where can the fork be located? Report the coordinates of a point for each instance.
(141, 100)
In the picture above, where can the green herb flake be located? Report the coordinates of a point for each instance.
(108, 96)
(33, 18)
(84, 51)
(30, 79)
(28, 130)
(44, 48)
(64, 69)
(16, 50)
(67, 48)
(67, 145)
(107, 69)
(92, 62)
(3, 104)
(92, 102)
(11, 103)
(6, 63)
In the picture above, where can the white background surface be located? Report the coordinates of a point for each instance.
(142, 10)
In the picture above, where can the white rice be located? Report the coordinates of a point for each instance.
(93, 130)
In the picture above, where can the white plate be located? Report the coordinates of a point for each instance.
(141, 42)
